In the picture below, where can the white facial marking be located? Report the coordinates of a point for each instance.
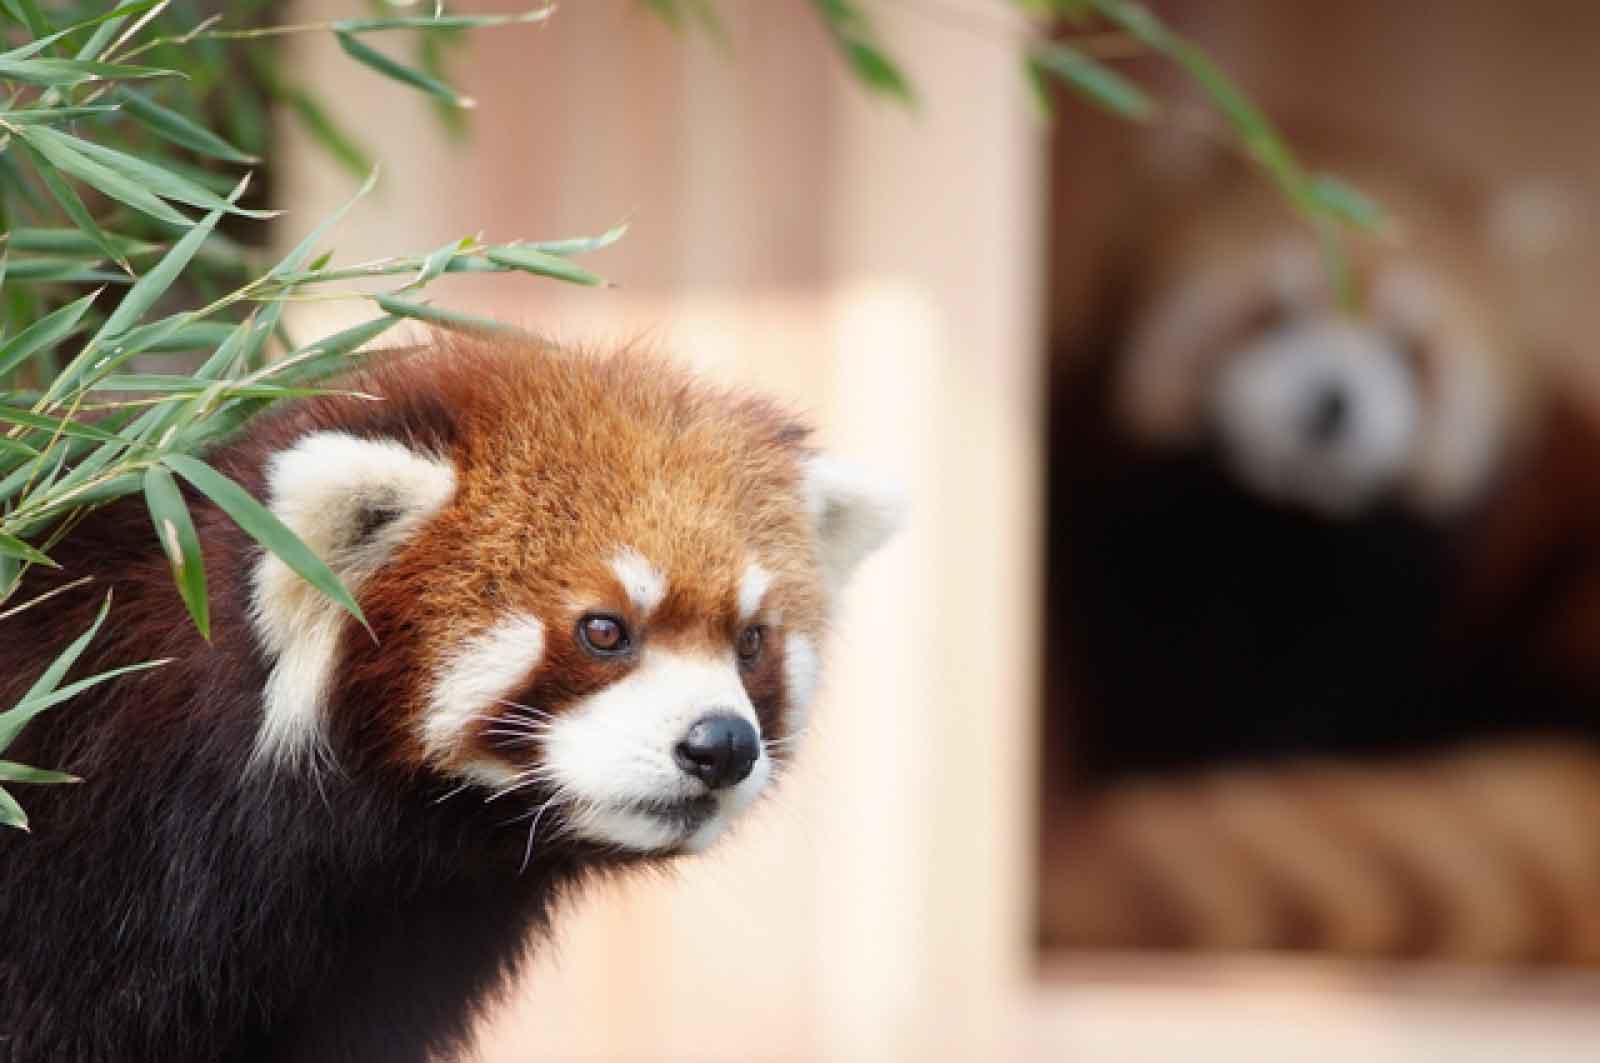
(1321, 413)
(328, 488)
(752, 588)
(1470, 405)
(612, 752)
(852, 512)
(476, 677)
(644, 583)
(801, 671)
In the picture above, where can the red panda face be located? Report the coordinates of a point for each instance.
(1241, 343)
(598, 591)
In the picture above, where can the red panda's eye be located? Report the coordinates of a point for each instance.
(604, 635)
(750, 642)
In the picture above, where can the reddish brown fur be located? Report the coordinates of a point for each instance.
(566, 460)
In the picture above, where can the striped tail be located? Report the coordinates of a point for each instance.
(1490, 854)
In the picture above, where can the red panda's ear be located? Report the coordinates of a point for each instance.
(852, 512)
(354, 502)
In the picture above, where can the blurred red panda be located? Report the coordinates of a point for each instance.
(1325, 594)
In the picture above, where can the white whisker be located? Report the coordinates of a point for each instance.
(459, 789)
(525, 708)
(533, 829)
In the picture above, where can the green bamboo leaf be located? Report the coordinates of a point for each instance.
(306, 365)
(44, 333)
(1255, 132)
(111, 22)
(38, 115)
(1092, 79)
(298, 254)
(13, 719)
(180, 129)
(74, 242)
(11, 814)
(580, 245)
(76, 211)
(46, 423)
(1341, 200)
(14, 448)
(44, 73)
(175, 528)
(34, 18)
(187, 336)
(178, 386)
(451, 319)
(40, 43)
(61, 72)
(27, 13)
(437, 262)
(161, 180)
(58, 668)
(259, 523)
(547, 265)
(63, 271)
(406, 75)
(441, 22)
(854, 38)
(151, 286)
(10, 771)
(58, 149)
(14, 547)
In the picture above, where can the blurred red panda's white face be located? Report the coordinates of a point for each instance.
(1241, 345)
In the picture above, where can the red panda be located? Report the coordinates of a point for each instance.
(1328, 581)
(596, 590)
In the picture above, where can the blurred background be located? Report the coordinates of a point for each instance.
(1229, 695)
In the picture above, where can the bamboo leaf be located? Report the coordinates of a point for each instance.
(73, 242)
(14, 547)
(1342, 200)
(581, 245)
(855, 40)
(162, 180)
(151, 286)
(261, 525)
(13, 719)
(58, 149)
(529, 260)
(10, 771)
(11, 814)
(58, 668)
(441, 22)
(44, 422)
(451, 319)
(1093, 80)
(44, 333)
(298, 254)
(61, 72)
(37, 115)
(406, 75)
(175, 529)
(180, 129)
(76, 211)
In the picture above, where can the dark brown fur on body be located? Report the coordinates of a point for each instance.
(178, 905)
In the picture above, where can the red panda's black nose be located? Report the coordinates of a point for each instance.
(719, 750)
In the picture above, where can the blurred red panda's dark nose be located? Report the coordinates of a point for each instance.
(719, 750)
